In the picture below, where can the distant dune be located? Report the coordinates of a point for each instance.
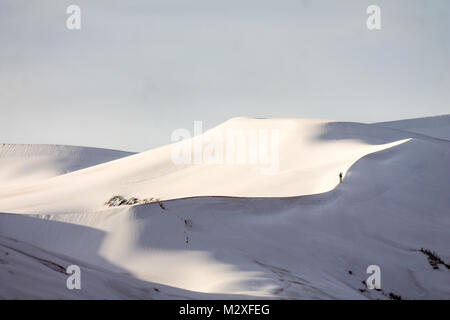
(438, 126)
(25, 163)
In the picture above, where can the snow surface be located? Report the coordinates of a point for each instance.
(310, 158)
(23, 164)
(229, 231)
(438, 126)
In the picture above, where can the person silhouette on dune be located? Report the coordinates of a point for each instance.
(340, 177)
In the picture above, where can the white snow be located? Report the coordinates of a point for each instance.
(309, 163)
(230, 231)
(23, 164)
(438, 126)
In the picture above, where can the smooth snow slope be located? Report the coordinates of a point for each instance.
(23, 164)
(29, 272)
(438, 126)
(391, 204)
(310, 156)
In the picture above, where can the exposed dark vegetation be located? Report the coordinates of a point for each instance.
(161, 205)
(394, 296)
(391, 295)
(188, 223)
(117, 201)
(433, 259)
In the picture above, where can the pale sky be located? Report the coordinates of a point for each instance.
(137, 70)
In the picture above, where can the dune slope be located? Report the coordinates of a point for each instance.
(393, 202)
(306, 159)
(24, 164)
(438, 126)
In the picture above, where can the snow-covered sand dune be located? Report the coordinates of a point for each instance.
(438, 126)
(295, 234)
(29, 272)
(308, 158)
(25, 163)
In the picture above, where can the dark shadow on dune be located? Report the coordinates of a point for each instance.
(369, 133)
(62, 235)
(65, 237)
